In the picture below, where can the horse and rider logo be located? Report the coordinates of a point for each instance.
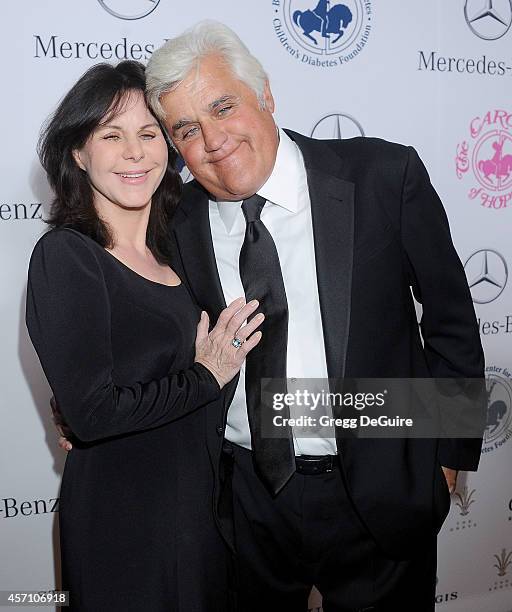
(325, 19)
(339, 29)
(488, 155)
(494, 172)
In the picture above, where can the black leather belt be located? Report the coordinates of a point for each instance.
(309, 465)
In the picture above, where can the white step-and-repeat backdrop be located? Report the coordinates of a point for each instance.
(436, 75)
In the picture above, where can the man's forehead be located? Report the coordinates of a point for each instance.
(210, 71)
(209, 84)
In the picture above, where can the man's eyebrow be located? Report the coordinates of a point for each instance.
(226, 98)
(181, 123)
(211, 107)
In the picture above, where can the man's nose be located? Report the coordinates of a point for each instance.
(214, 137)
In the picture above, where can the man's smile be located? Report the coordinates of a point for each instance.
(223, 156)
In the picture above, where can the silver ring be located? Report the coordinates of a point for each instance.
(236, 342)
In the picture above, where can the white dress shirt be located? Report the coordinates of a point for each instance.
(287, 216)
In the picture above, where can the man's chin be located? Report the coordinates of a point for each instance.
(234, 192)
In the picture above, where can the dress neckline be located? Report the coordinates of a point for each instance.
(121, 263)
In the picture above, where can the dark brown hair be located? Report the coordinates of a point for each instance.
(98, 96)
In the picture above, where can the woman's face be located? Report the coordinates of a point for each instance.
(125, 158)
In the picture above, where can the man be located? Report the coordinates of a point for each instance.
(329, 236)
(339, 234)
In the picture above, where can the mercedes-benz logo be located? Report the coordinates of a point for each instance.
(337, 126)
(129, 9)
(488, 19)
(487, 274)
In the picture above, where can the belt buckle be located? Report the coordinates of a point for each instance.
(311, 465)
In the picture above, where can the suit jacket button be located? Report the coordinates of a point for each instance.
(220, 430)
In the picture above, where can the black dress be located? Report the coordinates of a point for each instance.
(136, 523)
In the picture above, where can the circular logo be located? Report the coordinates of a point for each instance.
(486, 156)
(129, 9)
(499, 409)
(487, 274)
(492, 162)
(326, 28)
(488, 19)
(322, 32)
(337, 126)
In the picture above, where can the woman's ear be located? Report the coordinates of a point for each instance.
(78, 161)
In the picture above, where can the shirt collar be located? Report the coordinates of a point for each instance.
(282, 187)
(286, 180)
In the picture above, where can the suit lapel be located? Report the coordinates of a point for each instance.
(332, 208)
(195, 250)
(196, 257)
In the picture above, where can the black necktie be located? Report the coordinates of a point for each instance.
(260, 272)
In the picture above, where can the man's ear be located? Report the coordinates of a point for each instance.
(268, 98)
(78, 161)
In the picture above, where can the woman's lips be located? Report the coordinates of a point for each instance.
(133, 178)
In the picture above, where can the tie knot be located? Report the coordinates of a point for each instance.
(252, 208)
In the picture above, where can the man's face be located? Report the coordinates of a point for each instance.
(215, 121)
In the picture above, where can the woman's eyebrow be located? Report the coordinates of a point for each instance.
(110, 126)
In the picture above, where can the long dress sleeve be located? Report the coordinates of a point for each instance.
(68, 319)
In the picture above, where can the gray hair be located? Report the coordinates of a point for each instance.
(171, 63)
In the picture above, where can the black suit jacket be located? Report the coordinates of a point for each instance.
(379, 228)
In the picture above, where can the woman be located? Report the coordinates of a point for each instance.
(114, 328)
